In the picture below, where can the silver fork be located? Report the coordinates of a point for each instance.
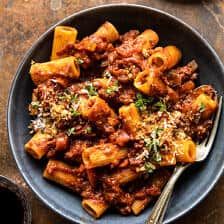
(203, 149)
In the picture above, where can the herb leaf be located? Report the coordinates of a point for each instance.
(202, 107)
(71, 131)
(79, 61)
(91, 90)
(35, 104)
(142, 102)
(113, 88)
(74, 113)
(149, 167)
(160, 105)
(74, 98)
(157, 157)
(152, 144)
(89, 130)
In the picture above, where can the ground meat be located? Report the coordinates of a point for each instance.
(126, 61)
(117, 197)
(177, 77)
(129, 36)
(59, 145)
(193, 127)
(75, 150)
(134, 152)
(120, 137)
(47, 92)
(153, 185)
(126, 96)
(111, 90)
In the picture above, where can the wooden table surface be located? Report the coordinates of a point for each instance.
(23, 21)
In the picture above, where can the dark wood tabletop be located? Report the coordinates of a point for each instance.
(23, 21)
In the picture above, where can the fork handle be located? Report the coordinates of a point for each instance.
(161, 203)
(160, 221)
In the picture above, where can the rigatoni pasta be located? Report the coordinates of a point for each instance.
(107, 31)
(165, 59)
(139, 205)
(130, 116)
(60, 173)
(94, 207)
(39, 145)
(113, 114)
(65, 67)
(63, 35)
(147, 40)
(185, 151)
(102, 154)
(126, 175)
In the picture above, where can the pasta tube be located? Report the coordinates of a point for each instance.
(65, 67)
(97, 110)
(102, 155)
(38, 145)
(185, 151)
(130, 117)
(168, 159)
(94, 207)
(63, 35)
(173, 54)
(206, 105)
(140, 205)
(165, 59)
(141, 82)
(158, 61)
(147, 39)
(107, 31)
(149, 83)
(61, 173)
(124, 176)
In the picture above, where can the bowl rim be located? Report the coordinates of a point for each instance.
(32, 48)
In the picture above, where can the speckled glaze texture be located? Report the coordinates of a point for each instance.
(5, 183)
(193, 186)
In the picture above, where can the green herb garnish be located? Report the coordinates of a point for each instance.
(161, 106)
(74, 113)
(35, 104)
(91, 90)
(157, 157)
(142, 102)
(63, 96)
(202, 107)
(71, 131)
(89, 130)
(153, 144)
(155, 132)
(79, 61)
(74, 98)
(149, 167)
(113, 88)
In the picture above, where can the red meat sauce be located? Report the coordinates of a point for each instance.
(122, 60)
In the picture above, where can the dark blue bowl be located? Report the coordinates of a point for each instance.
(194, 185)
